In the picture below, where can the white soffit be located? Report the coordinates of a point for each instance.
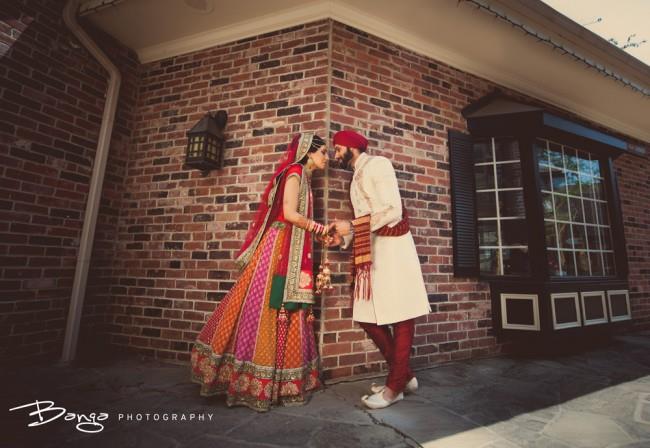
(455, 33)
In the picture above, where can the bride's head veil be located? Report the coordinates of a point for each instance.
(296, 151)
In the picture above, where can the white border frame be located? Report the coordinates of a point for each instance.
(504, 312)
(566, 295)
(604, 306)
(627, 316)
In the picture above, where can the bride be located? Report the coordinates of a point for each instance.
(258, 346)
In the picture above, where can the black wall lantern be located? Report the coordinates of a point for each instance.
(205, 142)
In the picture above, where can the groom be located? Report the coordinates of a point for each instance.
(388, 284)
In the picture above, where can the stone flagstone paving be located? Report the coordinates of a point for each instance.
(597, 398)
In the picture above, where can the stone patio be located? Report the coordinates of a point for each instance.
(592, 399)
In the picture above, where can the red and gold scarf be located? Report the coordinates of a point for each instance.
(362, 251)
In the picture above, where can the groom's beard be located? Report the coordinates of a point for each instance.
(345, 160)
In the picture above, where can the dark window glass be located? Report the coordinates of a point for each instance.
(514, 232)
(509, 175)
(545, 177)
(567, 263)
(506, 149)
(553, 262)
(602, 214)
(587, 185)
(515, 261)
(489, 261)
(595, 260)
(570, 159)
(582, 263)
(572, 183)
(560, 180)
(598, 188)
(497, 166)
(484, 177)
(511, 203)
(575, 210)
(551, 236)
(487, 233)
(592, 238)
(547, 204)
(565, 238)
(561, 207)
(486, 205)
(608, 258)
(483, 151)
(605, 238)
(579, 236)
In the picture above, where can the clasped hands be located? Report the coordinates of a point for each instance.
(335, 232)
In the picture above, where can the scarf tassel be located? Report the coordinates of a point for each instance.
(362, 283)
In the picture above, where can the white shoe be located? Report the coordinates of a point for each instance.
(377, 401)
(410, 388)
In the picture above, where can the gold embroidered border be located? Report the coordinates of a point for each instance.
(259, 371)
(308, 375)
(292, 291)
(303, 145)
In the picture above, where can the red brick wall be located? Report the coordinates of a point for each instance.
(179, 231)
(168, 235)
(633, 175)
(51, 103)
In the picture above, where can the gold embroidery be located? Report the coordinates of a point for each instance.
(294, 292)
(305, 279)
(303, 145)
(289, 389)
(293, 384)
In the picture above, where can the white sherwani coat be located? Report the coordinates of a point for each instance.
(398, 291)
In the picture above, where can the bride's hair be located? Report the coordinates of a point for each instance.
(316, 143)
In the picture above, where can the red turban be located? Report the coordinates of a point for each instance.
(351, 139)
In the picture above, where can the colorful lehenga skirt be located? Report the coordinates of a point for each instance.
(247, 353)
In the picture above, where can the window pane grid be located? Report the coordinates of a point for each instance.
(501, 213)
(573, 178)
(573, 196)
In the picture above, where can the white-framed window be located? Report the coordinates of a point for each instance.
(566, 310)
(594, 309)
(576, 218)
(500, 207)
(520, 311)
(619, 305)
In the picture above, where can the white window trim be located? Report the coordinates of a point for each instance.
(627, 316)
(600, 294)
(564, 295)
(504, 312)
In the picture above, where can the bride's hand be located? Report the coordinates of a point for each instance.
(324, 234)
(334, 240)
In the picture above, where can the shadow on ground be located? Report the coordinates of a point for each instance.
(594, 398)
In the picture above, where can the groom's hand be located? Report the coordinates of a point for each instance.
(343, 228)
(334, 240)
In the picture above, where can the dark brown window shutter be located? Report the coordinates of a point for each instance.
(463, 210)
